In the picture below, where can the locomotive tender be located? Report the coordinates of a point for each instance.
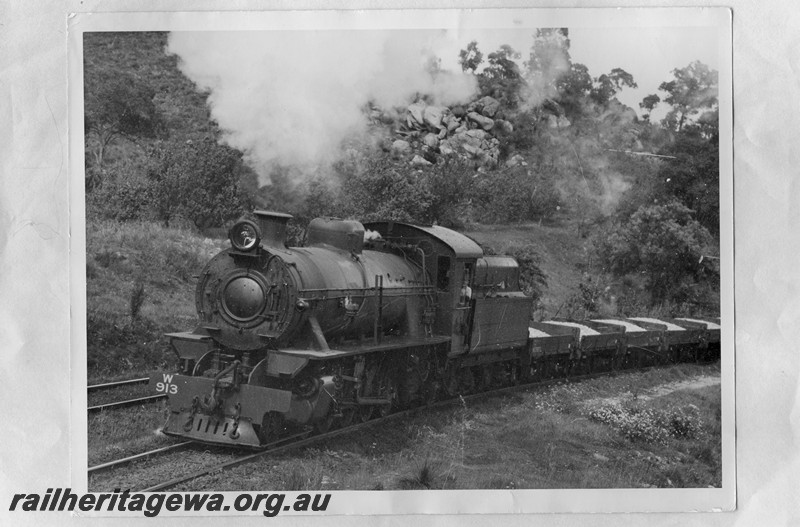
(369, 318)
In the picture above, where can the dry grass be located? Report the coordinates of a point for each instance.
(114, 434)
(139, 286)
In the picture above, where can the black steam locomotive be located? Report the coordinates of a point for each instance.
(369, 318)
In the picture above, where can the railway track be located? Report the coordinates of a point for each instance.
(129, 401)
(138, 457)
(304, 440)
(117, 384)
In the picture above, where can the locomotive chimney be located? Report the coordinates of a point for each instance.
(273, 227)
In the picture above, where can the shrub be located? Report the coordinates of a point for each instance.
(665, 244)
(198, 182)
(533, 280)
(513, 195)
(639, 423)
(136, 300)
(124, 200)
(683, 422)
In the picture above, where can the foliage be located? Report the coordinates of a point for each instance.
(380, 189)
(692, 177)
(608, 85)
(637, 422)
(502, 78)
(471, 57)
(383, 190)
(573, 87)
(119, 198)
(116, 104)
(548, 60)
(584, 303)
(198, 182)
(513, 195)
(533, 279)
(137, 298)
(665, 244)
(693, 92)
(649, 103)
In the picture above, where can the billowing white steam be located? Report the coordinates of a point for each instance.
(289, 98)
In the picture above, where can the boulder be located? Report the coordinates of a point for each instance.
(432, 116)
(476, 134)
(451, 122)
(458, 111)
(431, 141)
(484, 122)
(557, 122)
(474, 151)
(446, 147)
(416, 113)
(503, 126)
(401, 148)
(516, 160)
(419, 161)
(488, 106)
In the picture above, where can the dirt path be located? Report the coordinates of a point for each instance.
(702, 381)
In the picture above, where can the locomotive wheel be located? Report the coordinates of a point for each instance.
(389, 389)
(325, 424)
(365, 413)
(348, 416)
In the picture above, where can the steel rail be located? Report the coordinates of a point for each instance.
(108, 385)
(137, 457)
(129, 402)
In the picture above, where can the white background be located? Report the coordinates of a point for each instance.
(35, 278)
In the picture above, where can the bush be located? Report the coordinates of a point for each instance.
(513, 195)
(665, 244)
(123, 200)
(533, 280)
(639, 423)
(197, 181)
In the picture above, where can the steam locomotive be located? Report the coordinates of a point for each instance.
(369, 318)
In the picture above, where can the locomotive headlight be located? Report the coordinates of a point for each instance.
(244, 235)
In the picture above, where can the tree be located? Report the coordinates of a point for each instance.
(693, 92)
(117, 104)
(471, 57)
(380, 189)
(502, 78)
(573, 88)
(648, 104)
(692, 176)
(198, 181)
(606, 86)
(548, 60)
(502, 64)
(665, 244)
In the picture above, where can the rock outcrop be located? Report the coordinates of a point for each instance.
(423, 132)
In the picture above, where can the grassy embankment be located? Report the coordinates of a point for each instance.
(139, 285)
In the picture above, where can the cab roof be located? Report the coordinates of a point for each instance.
(461, 245)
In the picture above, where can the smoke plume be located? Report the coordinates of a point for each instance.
(289, 98)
